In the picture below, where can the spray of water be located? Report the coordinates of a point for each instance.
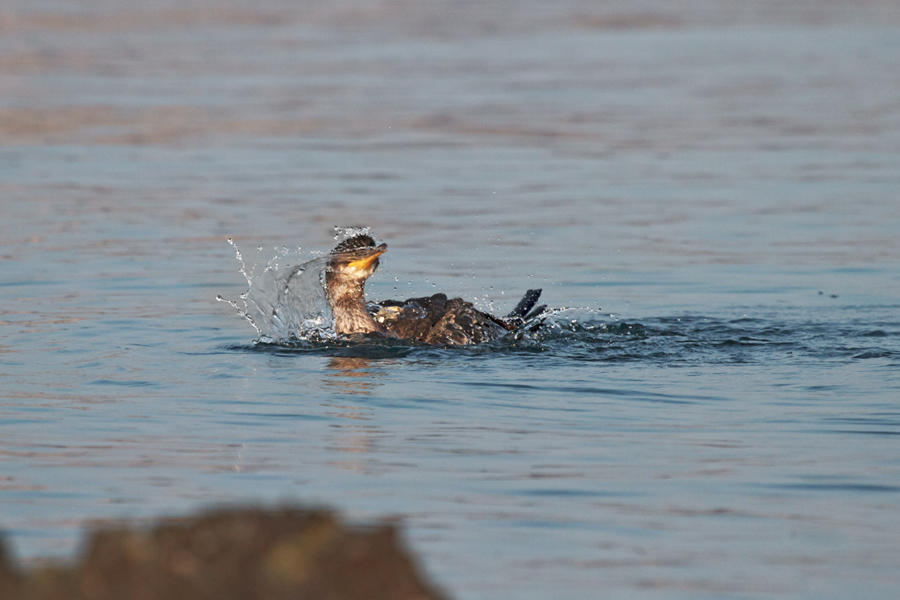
(345, 233)
(285, 301)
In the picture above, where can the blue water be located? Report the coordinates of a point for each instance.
(713, 194)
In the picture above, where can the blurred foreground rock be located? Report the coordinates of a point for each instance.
(245, 554)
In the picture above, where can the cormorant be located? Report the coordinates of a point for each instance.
(431, 319)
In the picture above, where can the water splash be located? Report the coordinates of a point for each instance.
(342, 234)
(285, 301)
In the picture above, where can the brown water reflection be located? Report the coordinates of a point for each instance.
(352, 378)
(351, 375)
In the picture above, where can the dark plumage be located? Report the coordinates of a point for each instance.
(431, 319)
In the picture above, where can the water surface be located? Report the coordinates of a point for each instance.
(713, 190)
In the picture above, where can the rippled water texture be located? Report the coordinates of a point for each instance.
(710, 189)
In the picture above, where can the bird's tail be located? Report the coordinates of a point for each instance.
(525, 310)
(525, 304)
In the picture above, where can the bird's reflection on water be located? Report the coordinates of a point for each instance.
(353, 377)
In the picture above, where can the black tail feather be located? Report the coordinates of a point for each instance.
(538, 311)
(525, 304)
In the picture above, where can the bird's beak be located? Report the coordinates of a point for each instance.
(364, 263)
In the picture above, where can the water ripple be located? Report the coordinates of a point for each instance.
(669, 341)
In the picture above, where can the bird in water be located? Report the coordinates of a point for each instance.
(431, 319)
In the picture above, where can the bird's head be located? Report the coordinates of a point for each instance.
(354, 260)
